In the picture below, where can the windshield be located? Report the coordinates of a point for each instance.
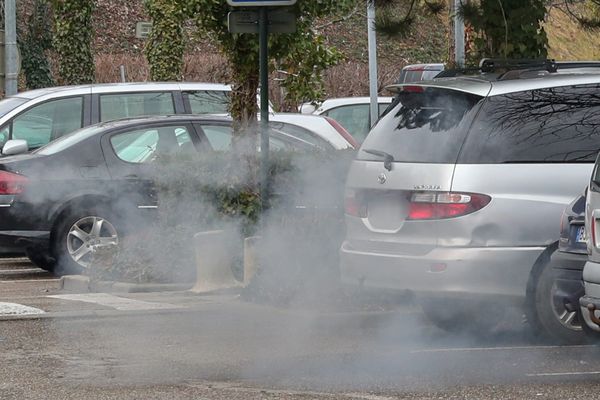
(68, 140)
(9, 104)
(425, 125)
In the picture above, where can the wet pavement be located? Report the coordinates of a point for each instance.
(180, 345)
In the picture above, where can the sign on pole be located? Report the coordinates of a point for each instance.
(246, 21)
(255, 3)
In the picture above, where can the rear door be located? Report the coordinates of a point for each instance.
(421, 137)
(532, 152)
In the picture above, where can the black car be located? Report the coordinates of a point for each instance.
(561, 286)
(59, 202)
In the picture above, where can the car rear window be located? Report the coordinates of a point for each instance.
(426, 125)
(559, 125)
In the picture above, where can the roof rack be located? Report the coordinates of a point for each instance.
(502, 66)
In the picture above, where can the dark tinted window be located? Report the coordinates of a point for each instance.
(546, 125)
(425, 125)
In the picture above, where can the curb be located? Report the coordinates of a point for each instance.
(83, 284)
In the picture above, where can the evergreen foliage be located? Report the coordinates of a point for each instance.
(73, 40)
(33, 44)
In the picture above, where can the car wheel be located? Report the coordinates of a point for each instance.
(77, 234)
(556, 308)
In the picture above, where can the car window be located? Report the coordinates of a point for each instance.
(208, 101)
(69, 140)
(47, 121)
(300, 133)
(546, 125)
(355, 118)
(383, 107)
(427, 126)
(410, 76)
(124, 105)
(150, 144)
(10, 103)
(219, 137)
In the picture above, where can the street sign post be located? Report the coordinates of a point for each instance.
(280, 21)
(246, 21)
(258, 3)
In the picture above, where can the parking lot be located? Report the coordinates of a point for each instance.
(182, 345)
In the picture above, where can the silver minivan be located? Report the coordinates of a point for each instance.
(456, 195)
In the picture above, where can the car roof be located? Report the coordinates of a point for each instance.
(125, 122)
(343, 101)
(490, 85)
(424, 67)
(121, 87)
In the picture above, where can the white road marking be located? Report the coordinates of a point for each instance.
(564, 373)
(18, 309)
(457, 349)
(118, 303)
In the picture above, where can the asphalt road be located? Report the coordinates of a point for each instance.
(225, 348)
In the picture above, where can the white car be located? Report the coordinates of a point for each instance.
(353, 113)
(36, 117)
(315, 129)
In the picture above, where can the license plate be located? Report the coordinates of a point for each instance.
(581, 237)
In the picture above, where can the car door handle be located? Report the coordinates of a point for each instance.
(132, 176)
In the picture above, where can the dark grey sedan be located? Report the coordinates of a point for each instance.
(59, 202)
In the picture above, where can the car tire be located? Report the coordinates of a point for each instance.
(40, 259)
(555, 317)
(77, 232)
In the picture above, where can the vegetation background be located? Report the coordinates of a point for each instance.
(115, 44)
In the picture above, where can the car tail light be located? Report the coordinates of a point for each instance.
(355, 204)
(441, 205)
(342, 131)
(11, 183)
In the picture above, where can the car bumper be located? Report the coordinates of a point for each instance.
(443, 271)
(569, 261)
(590, 303)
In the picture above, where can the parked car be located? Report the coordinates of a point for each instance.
(419, 72)
(353, 113)
(42, 115)
(71, 194)
(561, 285)
(316, 129)
(456, 192)
(590, 302)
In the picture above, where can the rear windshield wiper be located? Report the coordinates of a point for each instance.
(388, 159)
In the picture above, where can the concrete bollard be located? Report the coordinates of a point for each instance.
(214, 259)
(250, 258)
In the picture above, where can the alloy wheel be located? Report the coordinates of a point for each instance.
(88, 234)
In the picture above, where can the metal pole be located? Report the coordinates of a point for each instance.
(459, 36)
(372, 42)
(11, 68)
(122, 72)
(264, 104)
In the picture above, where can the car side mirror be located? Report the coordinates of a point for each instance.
(15, 146)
